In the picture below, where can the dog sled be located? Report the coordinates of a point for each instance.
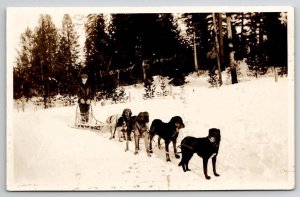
(87, 120)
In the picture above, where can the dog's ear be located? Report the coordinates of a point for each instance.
(174, 119)
(130, 113)
(182, 125)
(146, 116)
(177, 120)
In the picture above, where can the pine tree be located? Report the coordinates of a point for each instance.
(119, 95)
(22, 73)
(163, 87)
(231, 51)
(213, 78)
(44, 55)
(97, 49)
(67, 67)
(149, 90)
(146, 39)
(200, 24)
(217, 49)
(257, 57)
(276, 42)
(124, 41)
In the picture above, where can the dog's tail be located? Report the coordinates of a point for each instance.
(180, 148)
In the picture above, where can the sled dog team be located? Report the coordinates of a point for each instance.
(125, 124)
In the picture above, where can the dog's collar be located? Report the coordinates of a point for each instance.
(213, 141)
(176, 132)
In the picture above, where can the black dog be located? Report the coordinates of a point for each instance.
(168, 132)
(204, 147)
(139, 125)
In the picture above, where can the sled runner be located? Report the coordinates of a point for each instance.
(87, 120)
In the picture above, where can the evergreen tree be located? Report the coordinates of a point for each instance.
(213, 78)
(124, 41)
(22, 72)
(163, 87)
(276, 41)
(257, 58)
(44, 55)
(97, 49)
(67, 62)
(149, 90)
(241, 30)
(232, 64)
(146, 39)
(202, 25)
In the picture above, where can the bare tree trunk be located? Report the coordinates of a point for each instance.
(243, 38)
(221, 39)
(144, 71)
(275, 73)
(217, 49)
(231, 54)
(195, 54)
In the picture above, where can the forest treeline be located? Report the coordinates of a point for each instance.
(131, 48)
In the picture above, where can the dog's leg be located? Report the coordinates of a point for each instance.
(146, 136)
(158, 142)
(183, 167)
(114, 130)
(124, 134)
(167, 150)
(127, 141)
(150, 143)
(187, 162)
(205, 160)
(181, 163)
(175, 149)
(112, 135)
(136, 141)
(119, 133)
(214, 159)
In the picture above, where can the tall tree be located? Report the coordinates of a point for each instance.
(217, 49)
(241, 29)
(149, 42)
(257, 57)
(126, 52)
(44, 53)
(24, 63)
(231, 51)
(221, 40)
(276, 41)
(198, 24)
(195, 54)
(97, 49)
(67, 62)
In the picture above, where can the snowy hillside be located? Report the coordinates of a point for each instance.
(256, 150)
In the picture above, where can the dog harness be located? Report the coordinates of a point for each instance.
(141, 128)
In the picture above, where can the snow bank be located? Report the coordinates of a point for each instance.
(253, 116)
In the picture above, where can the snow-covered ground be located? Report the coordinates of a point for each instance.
(256, 152)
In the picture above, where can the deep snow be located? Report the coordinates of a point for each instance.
(256, 152)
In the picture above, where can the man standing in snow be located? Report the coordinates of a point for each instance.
(84, 94)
